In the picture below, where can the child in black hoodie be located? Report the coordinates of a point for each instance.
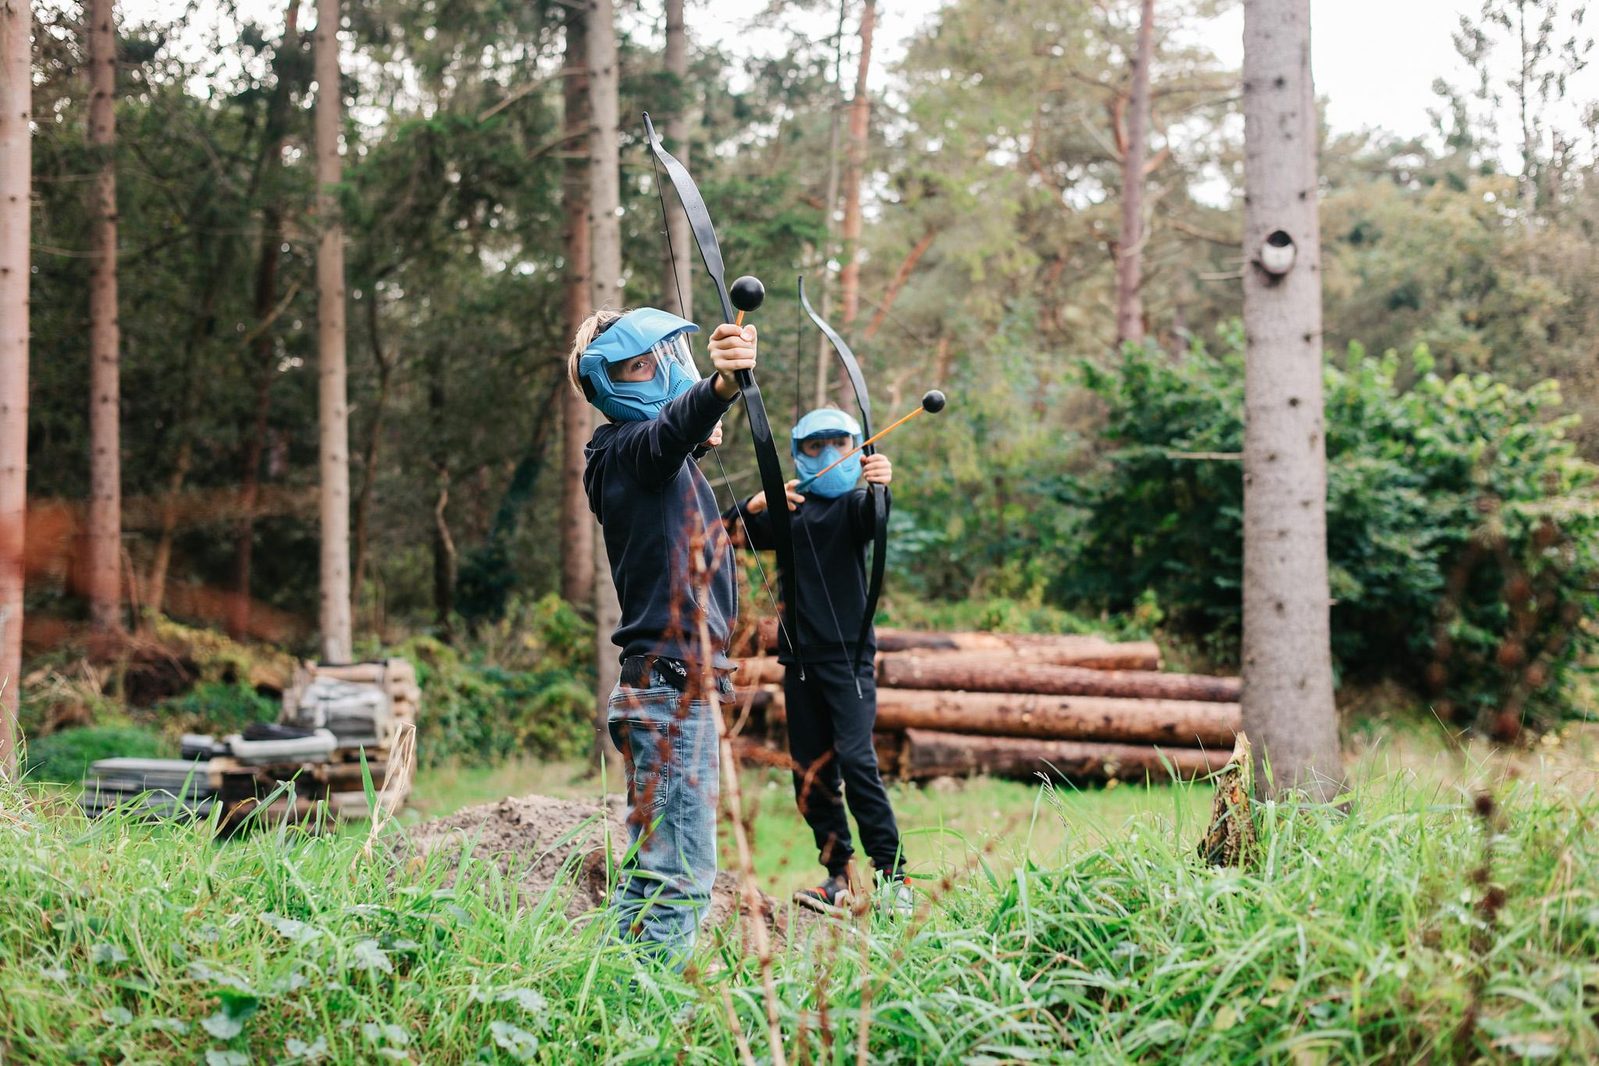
(655, 508)
(831, 705)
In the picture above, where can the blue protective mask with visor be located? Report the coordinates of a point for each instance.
(644, 331)
(825, 423)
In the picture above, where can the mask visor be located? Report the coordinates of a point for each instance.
(674, 351)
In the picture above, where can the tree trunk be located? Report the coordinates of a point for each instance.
(103, 572)
(266, 299)
(1186, 723)
(16, 175)
(824, 347)
(927, 753)
(855, 169)
(605, 290)
(1130, 246)
(901, 276)
(156, 587)
(374, 438)
(1021, 673)
(678, 294)
(1287, 664)
(333, 398)
(577, 524)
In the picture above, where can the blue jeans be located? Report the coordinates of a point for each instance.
(669, 751)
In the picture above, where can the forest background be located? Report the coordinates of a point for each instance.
(1085, 477)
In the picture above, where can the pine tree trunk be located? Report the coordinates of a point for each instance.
(332, 398)
(266, 299)
(374, 438)
(605, 290)
(824, 347)
(855, 170)
(577, 524)
(1130, 246)
(678, 296)
(16, 174)
(103, 572)
(1287, 667)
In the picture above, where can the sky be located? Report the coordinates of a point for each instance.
(1374, 61)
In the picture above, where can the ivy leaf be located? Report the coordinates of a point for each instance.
(368, 956)
(521, 1044)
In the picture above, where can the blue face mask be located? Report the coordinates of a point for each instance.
(644, 331)
(837, 481)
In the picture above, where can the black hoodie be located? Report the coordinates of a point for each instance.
(651, 500)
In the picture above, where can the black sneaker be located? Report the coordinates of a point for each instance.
(830, 897)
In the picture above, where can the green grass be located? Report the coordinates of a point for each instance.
(1082, 926)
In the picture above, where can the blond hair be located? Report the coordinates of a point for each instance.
(592, 327)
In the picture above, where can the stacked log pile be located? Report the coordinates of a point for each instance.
(1017, 705)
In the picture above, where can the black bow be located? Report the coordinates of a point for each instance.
(766, 459)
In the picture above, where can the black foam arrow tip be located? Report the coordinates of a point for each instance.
(933, 402)
(747, 293)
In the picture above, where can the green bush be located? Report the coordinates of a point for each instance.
(1460, 524)
(527, 689)
(65, 756)
(217, 707)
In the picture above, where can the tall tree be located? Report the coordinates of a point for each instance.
(332, 397)
(1130, 246)
(285, 63)
(860, 112)
(104, 565)
(1287, 659)
(605, 290)
(577, 524)
(16, 175)
(679, 294)
(1547, 56)
(835, 113)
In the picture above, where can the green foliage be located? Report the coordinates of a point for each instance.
(217, 707)
(66, 755)
(1460, 525)
(527, 689)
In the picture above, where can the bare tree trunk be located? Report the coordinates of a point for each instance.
(266, 298)
(679, 294)
(1130, 246)
(605, 290)
(855, 169)
(577, 524)
(156, 586)
(443, 543)
(16, 175)
(333, 399)
(901, 276)
(824, 347)
(374, 437)
(1287, 668)
(103, 577)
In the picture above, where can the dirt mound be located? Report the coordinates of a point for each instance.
(539, 842)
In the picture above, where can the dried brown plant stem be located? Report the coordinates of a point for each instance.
(753, 910)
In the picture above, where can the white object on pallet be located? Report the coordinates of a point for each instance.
(315, 748)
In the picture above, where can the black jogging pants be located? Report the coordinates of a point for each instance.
(830, 739)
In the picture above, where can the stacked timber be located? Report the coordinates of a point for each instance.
(339, 726)
(1018, 705)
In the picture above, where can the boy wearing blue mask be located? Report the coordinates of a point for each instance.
(655, 509)
(830, 708)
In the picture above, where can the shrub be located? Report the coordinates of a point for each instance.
(65, 756)
(216, 707)
(1460, 523)
(528, 690)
